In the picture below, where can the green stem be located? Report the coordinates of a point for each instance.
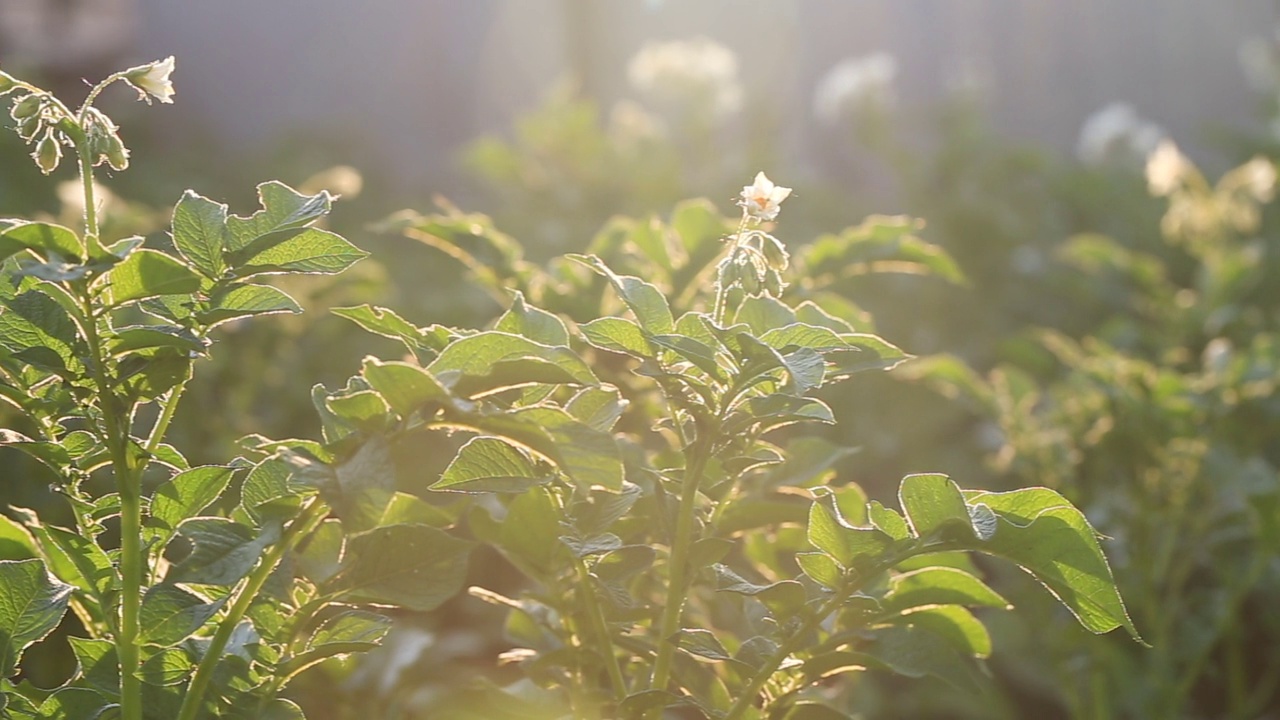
(305, 522)
(128, 479)
(167, 410)
(677, 588)
(749, 694)
(601, 630)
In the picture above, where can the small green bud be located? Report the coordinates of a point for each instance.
(28, 127)
(48, 153)
(7, 83)
(117, 154)
(27, 107)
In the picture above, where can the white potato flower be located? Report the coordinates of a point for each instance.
(853, 85)
(762, 198)
(152, 80)
(687, 74)
(1117, 133)
(1166, 168)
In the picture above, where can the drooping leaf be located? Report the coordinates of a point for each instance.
(952, 623)
(413, 566)
(1052, 540)
(31, 605)
(44, 238)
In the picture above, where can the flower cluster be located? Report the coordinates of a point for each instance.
(855, 85)
(686, 76)
(1117, 133)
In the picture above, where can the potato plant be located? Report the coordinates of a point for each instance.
(629, 435)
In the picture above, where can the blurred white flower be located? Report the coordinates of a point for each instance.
(1258, 61)
(152, 80)
(762, 198)
(1259, 177)
(631, 124)
(71, 197)
(854, 84)
(1117, 133)
(1166, 168)
(685, 75)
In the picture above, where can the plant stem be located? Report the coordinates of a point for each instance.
(601, 630)
(167, 410)
(678, 581)
(752, 691)
(128, 479)
(311, 516)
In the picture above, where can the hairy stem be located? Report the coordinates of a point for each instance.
(311, 516)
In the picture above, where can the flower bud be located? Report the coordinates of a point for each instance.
(27, 107)
(28, 127)
(117, 154)
(7, 83)
(775, 254)
(48, 153)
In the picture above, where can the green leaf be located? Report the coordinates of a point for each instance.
(308, 251)
(645, 300)
(384, 322)
(702, 643)
(597, 407)
(200, 232)
(31, 606)
(588, 456)
(489, 464)
(702, 356)
(800, 335)
(41, 237)
(148, 273)
(492, 360)
(783, 598)
(932, 502)
(821, 568)
(245, 300)
(283, 208)
(952, 623)
(143, 337)
(170, 614)
(16, 542)
(77, 559)
(916, 652)
(810, 710)
(533, 323)
(887, 521)
(319, 556)
(224, 551)
(405, 387)
(99, 664)
(763, 313)
(350, 631)
(170, 666)
(364, 485)
(39, 331)
(413, 566)
(618, 335)
(1049, 538)
(73, 703)
(829, 532)
(939, 586)
(185, 495)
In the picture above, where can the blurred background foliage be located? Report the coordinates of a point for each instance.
(1103, 322)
